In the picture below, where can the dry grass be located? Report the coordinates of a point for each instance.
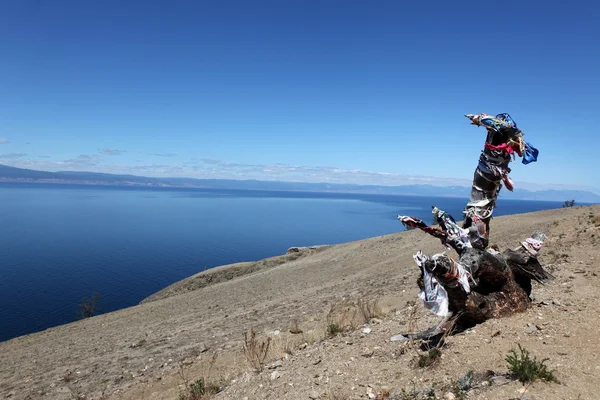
(341, 317)
(282, 345)
(347, 315)
(295, 328)
(369, 308)
(255, 350)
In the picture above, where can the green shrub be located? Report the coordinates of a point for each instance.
(527, 369)
(333, 329)
(198, 389)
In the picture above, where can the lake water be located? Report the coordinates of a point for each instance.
(61, 243)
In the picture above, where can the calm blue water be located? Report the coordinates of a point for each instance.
(61, 243)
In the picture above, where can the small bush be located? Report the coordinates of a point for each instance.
(333, 329)
(466, 382)
(199, 390)
(88, 307)
(429, 359)
(526, 369)
(463, 385)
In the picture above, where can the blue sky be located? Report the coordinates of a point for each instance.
(341, 91)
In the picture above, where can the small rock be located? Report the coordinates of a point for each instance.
(531, 329)
(275, 375)
(138, 344)
(313, 395)
(500, 380)
(557, 303)
(202, 347)
(276, 364)
(366, 330)
(449, 396)
(317, 362)
(376, 321)
(367, 353)
(303, 346)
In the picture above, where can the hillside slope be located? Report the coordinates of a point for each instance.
(136, 352)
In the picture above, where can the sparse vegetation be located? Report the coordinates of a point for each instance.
(199, 390)
(295, 328)
(569, 203)
(430, 358)
(463, 385)
(333, 329)
(255, 350)
(527, 369)
(342, 316)
(414, 394)
(89, 306)
(368, 308)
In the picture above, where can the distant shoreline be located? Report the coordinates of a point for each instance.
(15, 175)
(281, 192)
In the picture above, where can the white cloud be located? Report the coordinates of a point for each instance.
(2, 140)
(219, 169)
(164, 154)
(111, 152)
(12, 156)
(84, 158)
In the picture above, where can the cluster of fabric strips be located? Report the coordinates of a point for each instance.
(503, 141)
(433, 295)
(533, 246)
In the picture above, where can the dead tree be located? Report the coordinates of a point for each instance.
(483, 282)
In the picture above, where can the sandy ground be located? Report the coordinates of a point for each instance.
(195, 328)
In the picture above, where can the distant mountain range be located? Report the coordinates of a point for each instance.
(12, 174)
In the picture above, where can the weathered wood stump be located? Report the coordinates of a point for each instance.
(500, 285)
